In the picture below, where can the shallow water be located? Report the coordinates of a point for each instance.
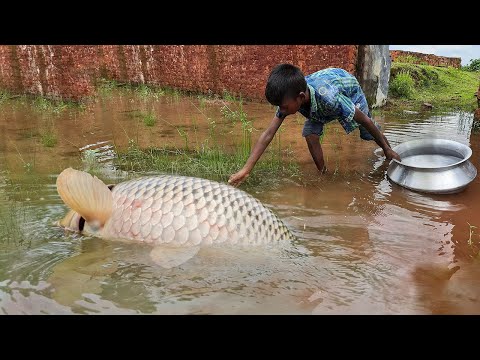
(365, 245)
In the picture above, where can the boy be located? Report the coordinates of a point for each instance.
(321, 97)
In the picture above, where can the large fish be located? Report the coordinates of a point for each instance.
(176, 214)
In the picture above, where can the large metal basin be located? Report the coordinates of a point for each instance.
(436, 166)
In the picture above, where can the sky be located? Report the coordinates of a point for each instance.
(466, 52)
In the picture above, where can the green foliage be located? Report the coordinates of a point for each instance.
(402, 85)
(49, 139)
(423, 75)
(149, 119)
(46, 105)
(12, 217)
(227, 96)
(90, 160)
(476, 126)
(4, 95)
(473, 65)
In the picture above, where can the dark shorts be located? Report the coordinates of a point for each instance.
(316, 127)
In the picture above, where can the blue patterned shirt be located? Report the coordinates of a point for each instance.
(334, 93)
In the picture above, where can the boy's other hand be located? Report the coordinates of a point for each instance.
(237, 178)
(390, 154)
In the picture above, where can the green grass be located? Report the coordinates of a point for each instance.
(106, 87)
(212, 162)
(12, 216)
(145, 91)
(444, 88)
(149, 119)
(12, 213)
(90, 162)
(42, 104)
(228, 96)
(48, 139)
(4, 95)
(402, 85)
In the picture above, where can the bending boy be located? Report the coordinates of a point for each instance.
(320, 97)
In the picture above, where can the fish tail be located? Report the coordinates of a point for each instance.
(85, 194)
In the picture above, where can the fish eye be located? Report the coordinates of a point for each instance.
(81, 224)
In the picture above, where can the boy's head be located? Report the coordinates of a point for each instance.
(286, 87)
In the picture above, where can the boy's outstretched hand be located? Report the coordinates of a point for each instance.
(237, 178)
(390, 154)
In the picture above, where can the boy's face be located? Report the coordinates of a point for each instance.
(290, 106)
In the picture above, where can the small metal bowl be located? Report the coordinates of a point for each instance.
(436, 166)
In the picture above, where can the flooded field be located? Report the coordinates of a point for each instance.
(365, 245)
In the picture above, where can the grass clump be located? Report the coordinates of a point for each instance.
(402, 85)
(149, 119)
(211, 162)
(48, 139)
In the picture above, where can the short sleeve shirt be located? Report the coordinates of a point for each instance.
(334, 93)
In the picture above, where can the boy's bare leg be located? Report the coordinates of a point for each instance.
(313, 142)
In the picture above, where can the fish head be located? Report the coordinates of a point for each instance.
(73, 221)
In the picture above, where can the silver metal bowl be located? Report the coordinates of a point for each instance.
(437, 166)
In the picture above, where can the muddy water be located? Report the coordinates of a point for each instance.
(365, 245)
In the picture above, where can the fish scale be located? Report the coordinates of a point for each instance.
(182, 210)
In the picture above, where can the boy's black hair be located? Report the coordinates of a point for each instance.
(284, 81)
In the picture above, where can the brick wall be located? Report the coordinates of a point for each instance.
(429, 59)
(52, 71)
(70, 72)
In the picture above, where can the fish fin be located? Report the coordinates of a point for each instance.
(85, 194)
(169, 257)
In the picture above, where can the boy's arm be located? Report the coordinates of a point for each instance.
(368, 124)
(258, 149)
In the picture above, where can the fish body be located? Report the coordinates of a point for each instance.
(172, 210)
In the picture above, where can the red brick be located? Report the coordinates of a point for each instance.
(429, 59)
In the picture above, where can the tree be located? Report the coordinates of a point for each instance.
(474, 65)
